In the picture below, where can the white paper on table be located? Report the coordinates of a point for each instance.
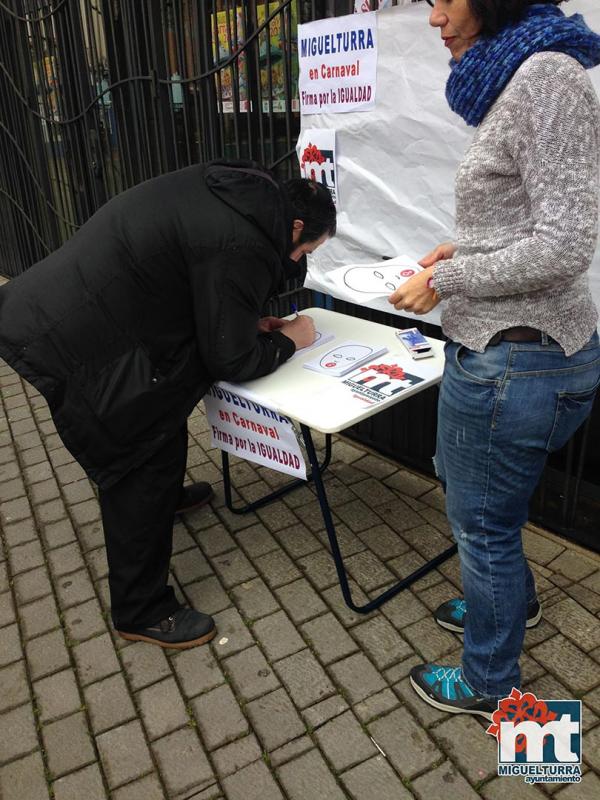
(321, 337)
(378, 383)
(359, 282)
(344, 357)
(381, 380)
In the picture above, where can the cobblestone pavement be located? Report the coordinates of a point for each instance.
(296, 695)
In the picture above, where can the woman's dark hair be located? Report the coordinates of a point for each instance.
(495, 14)
(312, 203)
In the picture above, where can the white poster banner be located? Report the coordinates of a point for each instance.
(338, 64)
(247, 429)
(396, 165)
(316, 154)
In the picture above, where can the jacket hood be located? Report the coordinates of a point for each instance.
(253, 192)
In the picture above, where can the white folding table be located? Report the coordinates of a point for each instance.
(312, 400)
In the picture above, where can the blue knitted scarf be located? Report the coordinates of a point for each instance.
(484, 70)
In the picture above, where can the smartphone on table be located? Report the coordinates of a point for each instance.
(417, 345)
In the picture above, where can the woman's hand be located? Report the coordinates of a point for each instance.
(441, 253)
(415, 295)
(268, 324)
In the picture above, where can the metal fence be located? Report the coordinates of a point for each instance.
(98, 95)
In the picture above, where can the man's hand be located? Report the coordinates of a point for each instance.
(268, 324)
(301, 330)
(415, 295)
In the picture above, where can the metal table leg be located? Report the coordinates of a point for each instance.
(316, 476)
(289, 487)
(335, 548)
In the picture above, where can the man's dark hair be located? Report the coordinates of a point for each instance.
(495, 14)
(312, 203)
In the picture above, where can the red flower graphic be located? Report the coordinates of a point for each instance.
(517, 708)
(312, 155)
(393, 370)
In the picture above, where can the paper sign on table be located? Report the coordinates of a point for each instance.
(380, 379)
(379, 382)
(344, 358)
(250, 430)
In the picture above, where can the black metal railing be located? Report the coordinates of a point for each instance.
(98, 95)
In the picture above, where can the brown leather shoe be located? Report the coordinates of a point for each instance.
(194, 496)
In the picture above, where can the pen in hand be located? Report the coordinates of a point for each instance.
(300, 329)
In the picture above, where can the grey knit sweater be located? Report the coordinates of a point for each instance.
(527, 211)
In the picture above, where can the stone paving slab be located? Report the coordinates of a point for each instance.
(297, 697)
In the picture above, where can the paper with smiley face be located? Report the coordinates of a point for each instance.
(360, 281)
(345, 357)
(383, 280)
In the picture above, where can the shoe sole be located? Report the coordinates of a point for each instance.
(531, 623)
(196, 505)
(139, 637)
(450, 709)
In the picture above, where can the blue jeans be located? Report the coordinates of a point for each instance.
(500, 413)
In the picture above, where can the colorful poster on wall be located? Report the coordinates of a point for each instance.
(51, 87)
(272, 42)
(272, 62)
(338, 64)
(316, 154)
(227, 43)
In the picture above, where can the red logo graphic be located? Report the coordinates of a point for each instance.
(518, 708)
(392, 370)
(312, 155)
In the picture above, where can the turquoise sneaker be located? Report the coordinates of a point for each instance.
(451, 615)
(445, 688)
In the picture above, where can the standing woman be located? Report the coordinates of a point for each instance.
(523, 360)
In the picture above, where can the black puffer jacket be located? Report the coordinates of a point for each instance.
(158, 295)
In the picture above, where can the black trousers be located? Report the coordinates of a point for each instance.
(138, 514)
